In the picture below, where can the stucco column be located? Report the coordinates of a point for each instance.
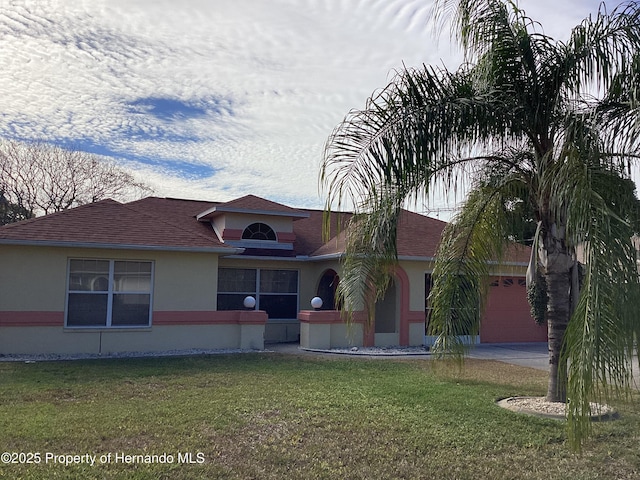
(252, 324)
(315, 328)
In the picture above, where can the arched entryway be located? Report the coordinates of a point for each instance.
(390, 324)
(387, 318)
(327, 289)
(392, 312)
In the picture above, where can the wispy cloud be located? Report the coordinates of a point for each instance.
(214, 99)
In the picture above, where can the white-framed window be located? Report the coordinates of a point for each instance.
(275, 291)
(109, 293)
(259, 231)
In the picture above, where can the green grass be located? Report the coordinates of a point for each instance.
(274, 416)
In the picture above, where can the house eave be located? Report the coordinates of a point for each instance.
(266, 258)
(219, 209)
(120, 246)
(415, 258)
(328, 256)
(408, 258)
(509, 264)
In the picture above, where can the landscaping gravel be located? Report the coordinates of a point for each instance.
(52, 357)
(375, 351)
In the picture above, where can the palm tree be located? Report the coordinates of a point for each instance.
(524, 119)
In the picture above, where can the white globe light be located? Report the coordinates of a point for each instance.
(316, 302)
(249, 302)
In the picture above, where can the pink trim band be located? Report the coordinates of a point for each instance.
(31, 319)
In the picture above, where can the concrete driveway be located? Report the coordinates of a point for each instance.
(534, 355)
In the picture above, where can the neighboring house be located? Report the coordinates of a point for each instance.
(164, 274)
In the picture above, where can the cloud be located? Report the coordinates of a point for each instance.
(214, 99)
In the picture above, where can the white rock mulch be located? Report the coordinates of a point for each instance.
(375, 351)
(541, 407)
(53, 357)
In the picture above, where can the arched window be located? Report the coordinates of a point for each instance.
(259, 231)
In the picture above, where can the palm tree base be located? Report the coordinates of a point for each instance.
(541, 407)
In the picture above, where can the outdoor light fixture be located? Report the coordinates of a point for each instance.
(316, 303)
(249, 302)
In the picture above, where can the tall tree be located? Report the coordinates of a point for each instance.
(10, 213)
(524, 119)
(39, 178)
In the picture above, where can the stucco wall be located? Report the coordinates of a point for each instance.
(416, 272)
(159, 338)
(32, 278)
(507, 315)
(33, 282)
(185, 281)
(314, 272)
(35, 278)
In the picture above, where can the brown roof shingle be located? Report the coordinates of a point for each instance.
(167, 223)
(418, 236)
(251, 204)
(110, 223)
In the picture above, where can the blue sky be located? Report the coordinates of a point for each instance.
(220, 98)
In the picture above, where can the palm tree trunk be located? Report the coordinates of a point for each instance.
(557, 262)
(558, 311)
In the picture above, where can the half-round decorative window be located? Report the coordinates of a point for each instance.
(259, 231)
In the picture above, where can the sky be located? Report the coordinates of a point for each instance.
(216, 99)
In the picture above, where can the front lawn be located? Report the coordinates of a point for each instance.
(274, 416)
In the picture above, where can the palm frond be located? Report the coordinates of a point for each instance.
(479, 24)
(619, 112)
(370, 256)
(602, 332)
(414, 132)
(600, 47)
(471, 246)
(563, 119)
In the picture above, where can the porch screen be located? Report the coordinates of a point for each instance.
(109, 293)
(275, 291)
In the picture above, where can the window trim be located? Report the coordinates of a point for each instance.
(258, 293)
(260, 240)
(110, 292)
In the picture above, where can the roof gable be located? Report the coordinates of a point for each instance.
(251, 204)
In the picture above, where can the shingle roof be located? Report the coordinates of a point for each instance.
(309, 234)
(148, 223)
(166, 223)
(418, 236)
(251, 204)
